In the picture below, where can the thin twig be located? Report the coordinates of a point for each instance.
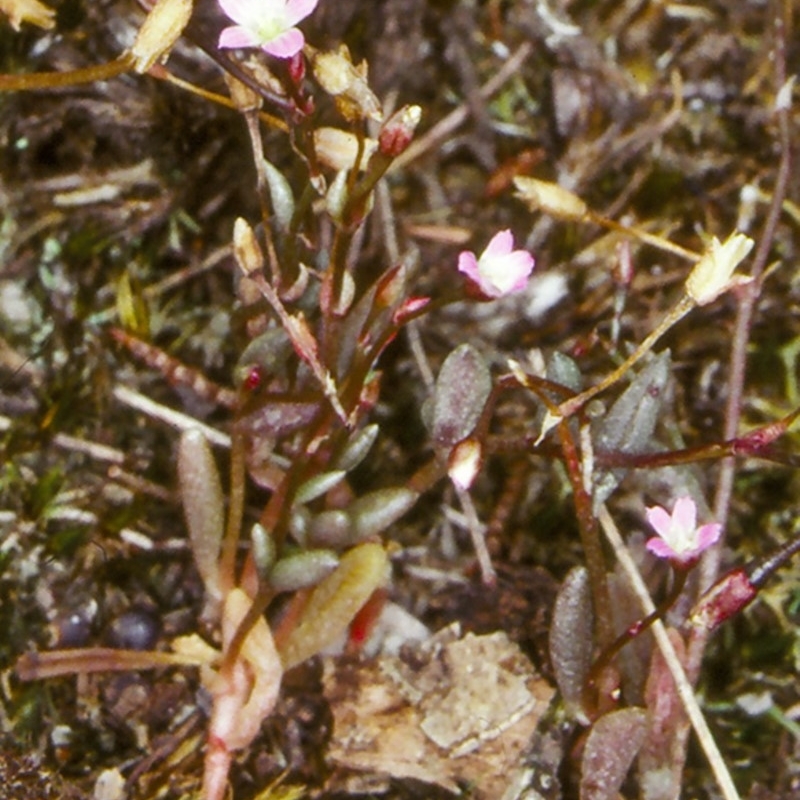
(175, 419)
(684, 688)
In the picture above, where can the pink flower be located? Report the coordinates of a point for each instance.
(268, 24)
(679, 539)
(500, 270)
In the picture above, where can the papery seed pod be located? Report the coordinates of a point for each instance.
(339, 149)
(159, 32)
(203, 506)
(550, 198)
(246, 249)
(302, 570)
(331, 529)
(375, 512)
(336, 196)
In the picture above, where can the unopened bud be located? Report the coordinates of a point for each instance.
(296, 66)
(550, 198)
(465, 463)
(246, 250)
(409, 308)
(398, 131)
(725, 598)
(161, 29)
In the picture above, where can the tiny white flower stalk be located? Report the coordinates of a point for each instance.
(161, 29)
(19, 11)
(713, 274)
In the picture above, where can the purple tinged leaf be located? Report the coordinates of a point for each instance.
(462, 389)
(611, 746)
(203, 506)
(571, 637)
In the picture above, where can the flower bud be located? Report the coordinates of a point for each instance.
(550, 198)
(161, 29)
(724, 599)
(465, 462)
(398, 131)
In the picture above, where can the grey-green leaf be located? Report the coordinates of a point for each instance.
(571, 637)
(462, 389)
(302, 570)
(203, 505)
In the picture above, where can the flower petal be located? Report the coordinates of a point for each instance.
(510, 272)
(468, 264)
(708, 534)
(285, 45)
(660, 521)
(684, 515)
(237, 36)
(242, 11)
(501, 244)
(298, 9)
(660, 548)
